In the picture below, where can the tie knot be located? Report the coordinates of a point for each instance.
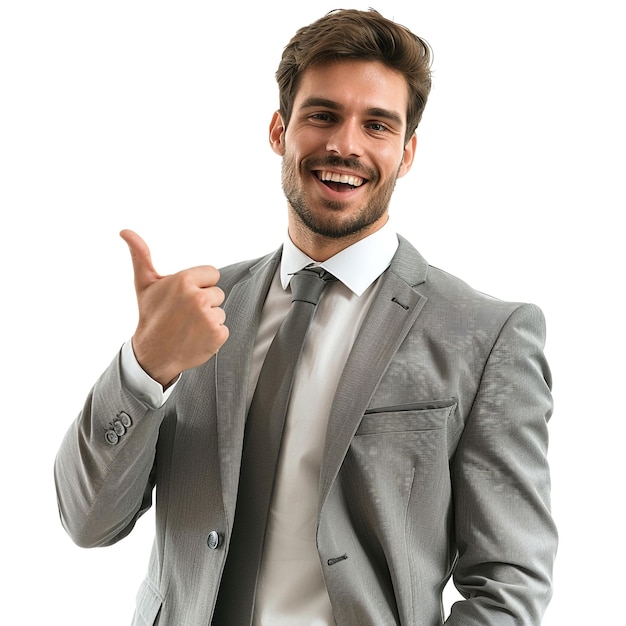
(307, 284)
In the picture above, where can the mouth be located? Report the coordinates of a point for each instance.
(338, 181)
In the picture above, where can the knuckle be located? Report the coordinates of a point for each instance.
(218, 295)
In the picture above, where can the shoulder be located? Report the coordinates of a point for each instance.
(449, 297)
(234, 273)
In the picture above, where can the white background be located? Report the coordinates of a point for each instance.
(154, 116)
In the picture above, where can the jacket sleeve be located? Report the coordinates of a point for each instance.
(505, 535)
(104, 468)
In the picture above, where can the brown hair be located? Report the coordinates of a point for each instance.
(353, 34)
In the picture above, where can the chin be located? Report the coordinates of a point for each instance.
(336, 228)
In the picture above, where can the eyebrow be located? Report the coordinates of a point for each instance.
(314, 101)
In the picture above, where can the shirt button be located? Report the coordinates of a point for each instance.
(213, 540)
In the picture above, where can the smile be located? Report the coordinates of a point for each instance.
(339, 181)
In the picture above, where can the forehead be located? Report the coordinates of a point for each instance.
(354, 84)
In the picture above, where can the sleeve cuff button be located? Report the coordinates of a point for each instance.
(111, 436)
(125, 419)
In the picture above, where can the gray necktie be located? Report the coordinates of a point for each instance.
(263, 434)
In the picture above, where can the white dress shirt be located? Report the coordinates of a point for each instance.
(291, 588)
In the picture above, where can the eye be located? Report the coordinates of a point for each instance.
(378, 127)
(320, 117)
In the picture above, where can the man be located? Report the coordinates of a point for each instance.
(414, 446)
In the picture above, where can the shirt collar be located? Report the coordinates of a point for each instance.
(357, 266)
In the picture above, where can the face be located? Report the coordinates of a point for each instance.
(343, 149)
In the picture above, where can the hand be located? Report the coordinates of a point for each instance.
(180, 323)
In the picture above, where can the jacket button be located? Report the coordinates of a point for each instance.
(213, 540)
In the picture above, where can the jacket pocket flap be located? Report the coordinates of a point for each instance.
(403, 418)
(149, 601)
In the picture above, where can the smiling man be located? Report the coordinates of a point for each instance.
(343, 477)
(343, 149)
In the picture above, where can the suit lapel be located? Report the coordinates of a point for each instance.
(243, 307)
(391, 316)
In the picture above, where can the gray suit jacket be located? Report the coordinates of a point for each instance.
(434, 463)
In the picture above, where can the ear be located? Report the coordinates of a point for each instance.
(407, 156)
(277, 134)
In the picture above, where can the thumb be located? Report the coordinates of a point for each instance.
(144, 271)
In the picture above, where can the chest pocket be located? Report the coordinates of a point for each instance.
(402, 450)
(429, 415)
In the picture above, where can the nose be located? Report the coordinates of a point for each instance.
(345, 139)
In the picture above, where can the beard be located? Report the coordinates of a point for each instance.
(333, 223)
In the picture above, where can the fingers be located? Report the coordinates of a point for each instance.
(202, 276)
(144, 271)
(181, 322)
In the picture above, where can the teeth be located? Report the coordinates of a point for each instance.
(347, 179)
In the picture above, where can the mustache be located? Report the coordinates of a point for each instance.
(351, 164)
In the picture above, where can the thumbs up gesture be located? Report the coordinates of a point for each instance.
(181, 324)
